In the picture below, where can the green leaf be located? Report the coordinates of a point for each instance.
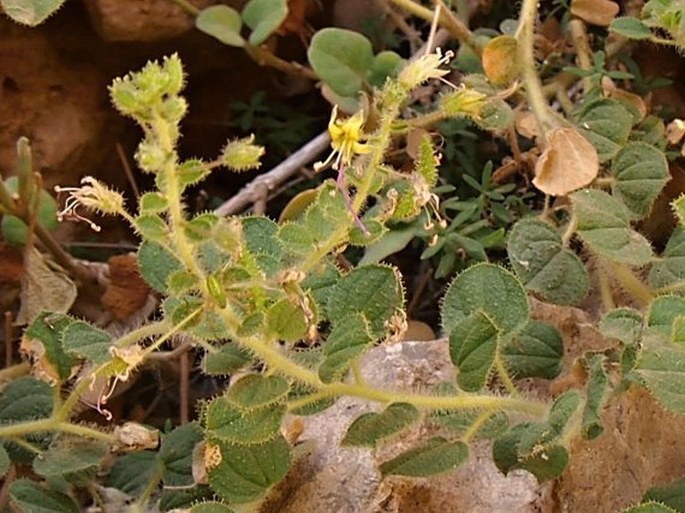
(535, 352)
(511, 452)
(228, 359)
(670, 268)
(44, 337)
(4, 461)
(624, 324)
(606, 123)
(29, 497)
(221, 22)
(495, 115)
(210, 507)
(133, 472)
(229, 423)
(597, 389)
(256, 391)
(247, 471)
(671, 495)
(630, 27)
(153, 203)
(371, 428)
(461, 420)
(641, 171)
(327, 213)
(87, 341)
(184, 497)
(30, 12)
(156, 264)
(313, 406)
(296, 238)
(662, 369)
(349, 338)
(75, 460)
(152, 227)
(342, 59)
(192, 171)
(14, 230)
(489, 289)
(385, 65)
(603, 223)
(545, 267)
(286, 321)
(261, 236)
(374, 291)
(176, 454)
(663, 311)
(390, 242)
(264, 17)
(534, 446)
(25, 399)
(473, 347)
(435, 456)
(320, 282)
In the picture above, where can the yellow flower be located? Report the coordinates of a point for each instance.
(345, 140)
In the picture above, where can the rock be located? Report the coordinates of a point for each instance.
(345, 480)
(58, 105)
(144, 20)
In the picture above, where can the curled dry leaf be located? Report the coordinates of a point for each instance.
(135, 437)
(526, 124)
(568, 163)
(595, 12)
(44, 286)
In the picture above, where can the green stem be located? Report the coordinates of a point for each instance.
(476, 425)
(526, 55)
(145, 331)
(52, 424)
(631, 283)
(187, 6)
(504, 375)
(14, 372)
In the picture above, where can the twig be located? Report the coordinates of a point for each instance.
(255, 189)
(8, 339)
(127, 170)
(184, 387)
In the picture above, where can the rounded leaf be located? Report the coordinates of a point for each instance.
(264, 17)
(490, 289)
(500, 60)
(342, 58)
(221, 22)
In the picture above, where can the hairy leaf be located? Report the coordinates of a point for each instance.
(87, 341)
(156, 264)
(371, 428)
(603, 223)
(641, 172)
(545, 267)
(75, 460)
(606, 123)
(473, 347)
(503, 300)
(375, 291)
(597, 390)
(670, 268)
(536, 352)
(245, 472)
(435, 456)
(29, 496)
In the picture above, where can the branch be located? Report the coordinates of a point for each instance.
(270, 180)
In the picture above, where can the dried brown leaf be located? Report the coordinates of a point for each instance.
(43, 288)
(595, 12)
(568, 163)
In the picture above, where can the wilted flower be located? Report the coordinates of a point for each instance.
(424, 68)
(346, 137)
(92, 195)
